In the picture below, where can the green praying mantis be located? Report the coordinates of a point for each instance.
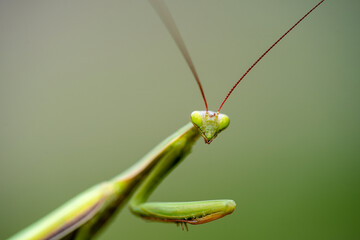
(85, 215)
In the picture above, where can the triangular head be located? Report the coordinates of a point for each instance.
(209, 123)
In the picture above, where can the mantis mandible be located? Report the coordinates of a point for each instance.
(83, 216)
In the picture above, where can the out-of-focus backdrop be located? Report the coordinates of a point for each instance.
(88, 87)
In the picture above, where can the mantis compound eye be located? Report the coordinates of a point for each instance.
(210, 124)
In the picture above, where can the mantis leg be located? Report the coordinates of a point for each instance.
(179, 212)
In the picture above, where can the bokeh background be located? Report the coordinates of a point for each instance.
(88, 87)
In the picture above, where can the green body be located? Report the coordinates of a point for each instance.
(86, 214)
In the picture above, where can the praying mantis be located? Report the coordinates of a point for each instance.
(86, 214)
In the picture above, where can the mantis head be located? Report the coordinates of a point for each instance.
(210, 124)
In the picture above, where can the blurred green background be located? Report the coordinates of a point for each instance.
(88, 87)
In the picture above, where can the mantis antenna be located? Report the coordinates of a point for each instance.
(170, 25)
(273, 45)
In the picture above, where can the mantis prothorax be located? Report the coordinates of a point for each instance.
(83, 216)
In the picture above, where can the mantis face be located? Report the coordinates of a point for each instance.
(210, 124)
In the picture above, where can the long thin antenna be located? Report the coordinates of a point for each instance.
(232, 89)
(169, 23)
